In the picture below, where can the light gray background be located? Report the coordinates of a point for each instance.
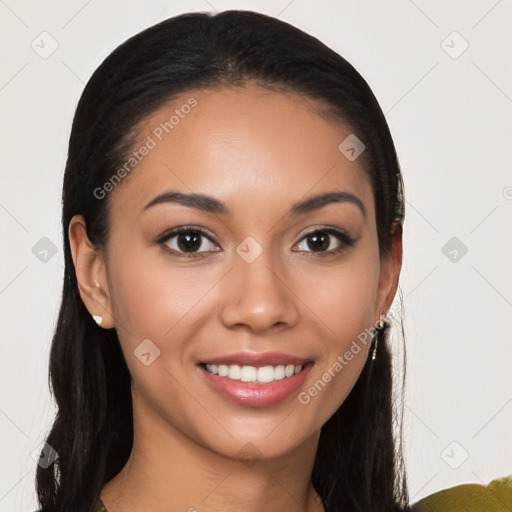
(451, 122)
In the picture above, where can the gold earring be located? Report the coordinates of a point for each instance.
(381, 327)
(374, 345)
(98, 319)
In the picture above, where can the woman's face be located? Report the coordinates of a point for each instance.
(256, 288)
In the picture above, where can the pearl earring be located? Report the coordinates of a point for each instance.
(98, 319)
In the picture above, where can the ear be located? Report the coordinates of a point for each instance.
(90, 272)
(390, 265)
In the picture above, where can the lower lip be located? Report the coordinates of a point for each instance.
(252, 394)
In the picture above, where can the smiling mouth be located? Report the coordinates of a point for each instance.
(255, 379)
(254, 374)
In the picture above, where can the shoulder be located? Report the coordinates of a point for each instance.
(494, 497)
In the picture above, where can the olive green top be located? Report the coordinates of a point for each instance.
(100, 507)
(494, 497)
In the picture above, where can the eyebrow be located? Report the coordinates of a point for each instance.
(211, 205)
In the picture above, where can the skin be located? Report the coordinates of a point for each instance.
(258, 152)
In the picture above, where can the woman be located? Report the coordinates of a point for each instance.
(232, 216)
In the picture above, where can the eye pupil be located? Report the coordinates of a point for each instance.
(316, 237)
(189, 242)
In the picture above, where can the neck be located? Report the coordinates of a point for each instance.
(168, 471)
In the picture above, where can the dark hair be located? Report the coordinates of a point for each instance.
(359, 463)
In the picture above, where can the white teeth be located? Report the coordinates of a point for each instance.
(266, 374)
(263, 374)
(223, 370)
(248, 374)
(289, 370)
(279, 372)
(234, 372)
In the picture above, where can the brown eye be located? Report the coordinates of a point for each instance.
(326, 241)
(186, 241)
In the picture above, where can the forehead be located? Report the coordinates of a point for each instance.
(247, 146)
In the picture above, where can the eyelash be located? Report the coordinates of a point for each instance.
(343, 237)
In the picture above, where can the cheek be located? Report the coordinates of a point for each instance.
(344, 300)
(151, 297)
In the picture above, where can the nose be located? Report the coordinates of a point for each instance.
(258, 296)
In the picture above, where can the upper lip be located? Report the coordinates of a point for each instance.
(258, 359)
